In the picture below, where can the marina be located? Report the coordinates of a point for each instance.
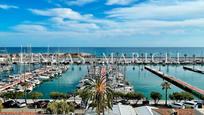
(102, 57)
(132, 69)
(33, 78)
(115, 77)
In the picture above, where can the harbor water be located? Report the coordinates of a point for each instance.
(142, 80)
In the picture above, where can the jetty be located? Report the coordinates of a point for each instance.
(197, 70)
(179, 83)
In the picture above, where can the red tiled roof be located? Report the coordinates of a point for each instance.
(18, 113)
(179, 111)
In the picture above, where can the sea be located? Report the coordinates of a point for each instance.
(142, 80)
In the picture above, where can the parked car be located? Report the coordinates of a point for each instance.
(41, 103)
(200, 103)
(190, 104)
(9, 104)
(13, 104)
(125, 102)
(20, 104)
(177, 105)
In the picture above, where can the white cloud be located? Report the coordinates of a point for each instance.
(119, 2)
(65, 19)
(75, 26)
(80, 2)
(60, 12)
(150, 19)
(177, 10)
(29, 28)
(133, 22)
(4, 6)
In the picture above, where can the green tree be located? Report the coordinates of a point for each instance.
(58, 95)
(134, 96)
(129, 95)
(17, 95)
(12, 95)
(6, 95)
(156, 96)
(176, 96)
(84, 96)
(35, 95)
(187, 96)
(61, 107)
(165, 86)
(171, 96)
(139, 97)
(99, 93)
(52, 107)
(117, 95)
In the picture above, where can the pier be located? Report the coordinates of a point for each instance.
(193, 69)
(179, 83)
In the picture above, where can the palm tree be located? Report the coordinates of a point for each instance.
(165, 86)
(84, 96)
(99, 94)
(25, 86)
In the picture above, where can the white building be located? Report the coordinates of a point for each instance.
(120, 109)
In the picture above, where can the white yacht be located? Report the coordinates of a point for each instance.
(42, 77)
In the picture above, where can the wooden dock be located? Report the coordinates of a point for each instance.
(194, 69)
(179, 83)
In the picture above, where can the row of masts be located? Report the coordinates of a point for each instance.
(67, 58)
(26, 56)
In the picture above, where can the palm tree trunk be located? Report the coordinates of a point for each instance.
(103, 111)
(98, 109)
(25, 96)
(166, 97)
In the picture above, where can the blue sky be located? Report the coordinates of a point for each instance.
(102, 23)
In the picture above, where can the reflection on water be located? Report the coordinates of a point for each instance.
(19, 68)
(66, 83)
(145, 82)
